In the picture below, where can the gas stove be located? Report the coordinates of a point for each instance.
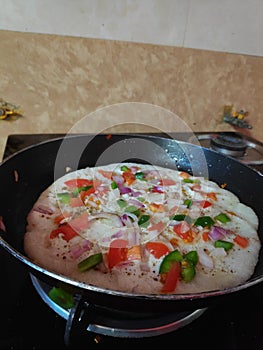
(31, 320)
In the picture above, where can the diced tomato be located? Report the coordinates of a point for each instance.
(167, 182)
(156, 208)
(211, 195)
(205, 236)
(102, 190)
(171, 278)
(157, 227)
(184, 175)
(59, 218)
(118, 252)
(73, 183)
(134, 253)
(205, 204)
(107, 174)
(196, 187)
(72, 228)
(183, 230)
(129, 177)
(157, 249)
(157, 189)
(76, 202)
(173, 210)
(87, 193)
(174, 242)
(66, 230)
(80, 223)
(241, 241)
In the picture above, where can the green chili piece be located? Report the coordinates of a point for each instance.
(192, 257)
(181, 217)
(178, 217)
(140, 175)
(187, 271)
(124, 168)
(173, 256)
(188, 203)
(223, 218)
(132, 209)
(144, 220)
(188, 181)
(64, 197)
(90, 262)
(113, 185)
(61, 297)
(77, 190)
(204, 221)
(224, 244)
(191, 181)
(122, 203)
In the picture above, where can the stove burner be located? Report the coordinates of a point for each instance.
(243, 148)
(117, 323)
(231, 145)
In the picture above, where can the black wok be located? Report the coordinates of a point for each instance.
(28, 172)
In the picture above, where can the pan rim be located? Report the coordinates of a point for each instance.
(164, 297)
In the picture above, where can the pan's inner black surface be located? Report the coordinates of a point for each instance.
(38, 166)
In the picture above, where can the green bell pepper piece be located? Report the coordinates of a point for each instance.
(222, 217)
(64, 197)
(192, 257)
(90, 262)
(61, 297)
(204, 221)
(224, 244)
(144, 220)
(187, 271)
(173, 256)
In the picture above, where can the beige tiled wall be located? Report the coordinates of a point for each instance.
(227, 25)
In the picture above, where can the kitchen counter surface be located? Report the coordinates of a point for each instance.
(66, 84)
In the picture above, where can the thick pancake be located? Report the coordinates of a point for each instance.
(155, 191)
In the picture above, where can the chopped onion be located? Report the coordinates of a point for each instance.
(135, 193)
(116, 220)
(77, 251)
(158, 189)
(154, 181)
(133, 216)
(125, 190)
(16, 175)
(173, 223)
(2, 225)
(218, 232)
(205, 259)
(126, 220)
(134, 169)
(134, 236)
(90, 203)
(117, 234)
(118, 179)
(136, 203)
(144, 266)
(218, 252)
(43, 209)
(124, 263)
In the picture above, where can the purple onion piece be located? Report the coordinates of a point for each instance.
(218, 232)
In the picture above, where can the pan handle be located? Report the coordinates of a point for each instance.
(80, 317)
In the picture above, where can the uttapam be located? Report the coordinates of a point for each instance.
(141, 228)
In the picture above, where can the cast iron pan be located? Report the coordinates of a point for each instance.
(28, 172)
